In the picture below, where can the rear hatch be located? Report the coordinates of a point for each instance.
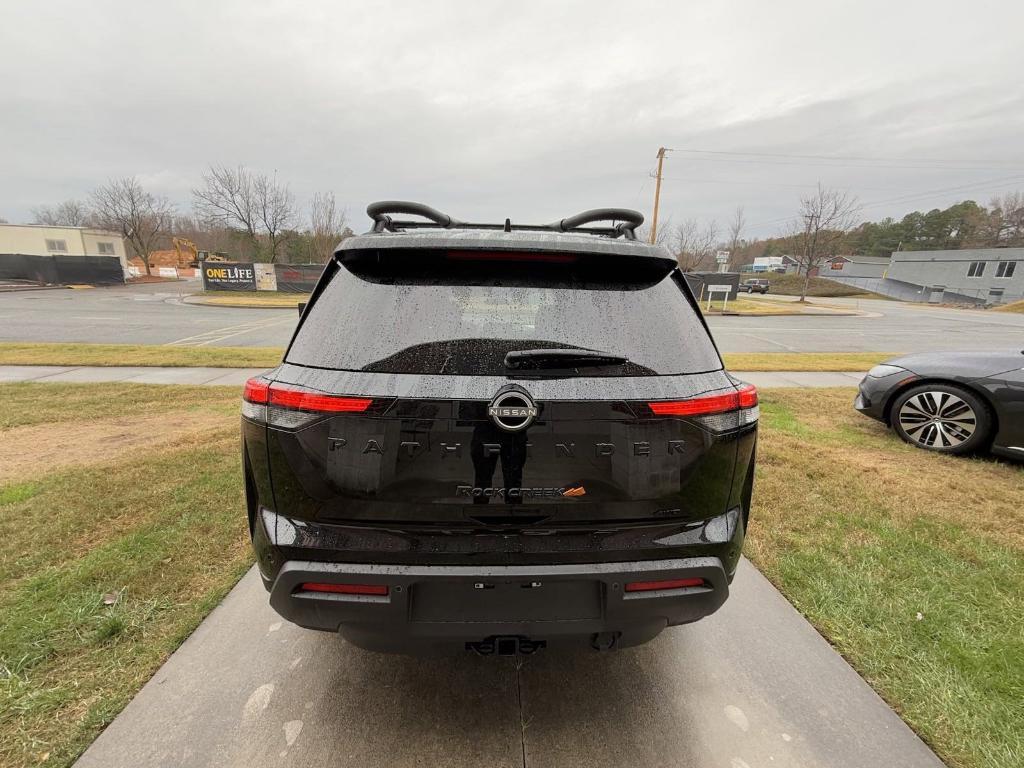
(501, 389)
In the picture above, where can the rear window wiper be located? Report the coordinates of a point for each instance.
(543, 359)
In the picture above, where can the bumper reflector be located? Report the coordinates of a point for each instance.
(345, 589)
(651, 586)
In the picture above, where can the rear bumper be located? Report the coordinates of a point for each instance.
(450, 607)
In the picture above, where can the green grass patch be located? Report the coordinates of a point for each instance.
(44, 353)
(911, 564)
(792, 285)
(106, 569)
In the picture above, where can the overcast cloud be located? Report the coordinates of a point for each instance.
(529, 110)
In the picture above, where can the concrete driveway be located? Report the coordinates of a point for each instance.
(754, 685)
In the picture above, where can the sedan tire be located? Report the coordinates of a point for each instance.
(942, 418)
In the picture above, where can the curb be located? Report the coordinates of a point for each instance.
(199, 302)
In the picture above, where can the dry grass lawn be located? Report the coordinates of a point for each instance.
(59, 353)
(746, 306)
(16, 353)
(1017, 306)
(156, 525)
(910, 563)
(266, 299)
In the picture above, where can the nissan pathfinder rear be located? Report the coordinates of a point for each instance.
(498, 437)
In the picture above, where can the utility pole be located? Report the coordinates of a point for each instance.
(657, 196)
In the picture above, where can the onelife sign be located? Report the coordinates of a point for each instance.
(223, 276)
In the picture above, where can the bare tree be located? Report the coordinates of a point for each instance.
(254, 204)
(70, 213)
(141, 217)
(227, 198)
(1007, 220)
(681, 244)
(665, 233)
(693, 245)
(275, 207)
(326, 225)
(736, 226)
(824, 220)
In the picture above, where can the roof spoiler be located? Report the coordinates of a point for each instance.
(623, 221)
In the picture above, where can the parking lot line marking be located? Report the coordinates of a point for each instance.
(238, 333)
(220, 334)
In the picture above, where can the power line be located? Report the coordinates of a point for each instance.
(767, 184)
(1002, 182)
(841, 160)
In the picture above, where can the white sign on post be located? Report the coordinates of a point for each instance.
(723, 289)
(722, 259)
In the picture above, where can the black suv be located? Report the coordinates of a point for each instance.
(754, 286)
(498, 437)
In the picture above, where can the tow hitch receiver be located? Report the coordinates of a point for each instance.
(506, 645)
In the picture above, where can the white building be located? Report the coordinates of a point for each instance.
(774, 264)
(44, 240)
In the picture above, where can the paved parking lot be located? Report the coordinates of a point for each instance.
(155, 314)
(753, 685)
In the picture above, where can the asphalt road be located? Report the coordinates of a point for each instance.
(155, 314)
(754, 685)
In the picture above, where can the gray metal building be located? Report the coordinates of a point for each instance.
(979, 275)
(970, 276)
(855, 266)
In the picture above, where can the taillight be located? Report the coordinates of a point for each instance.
(304, 400)
(652, 586)
(696, 406)
(256, 391)
(744, 397)
(290, 407)
(379, 590)
(720, 412)
(748, 396)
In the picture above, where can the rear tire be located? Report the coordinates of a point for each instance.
(943, 418)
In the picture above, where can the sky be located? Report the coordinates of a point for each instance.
(531, 110)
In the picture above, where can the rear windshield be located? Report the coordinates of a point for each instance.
(465, 323)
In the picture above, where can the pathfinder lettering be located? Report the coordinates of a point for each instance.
(413, 448)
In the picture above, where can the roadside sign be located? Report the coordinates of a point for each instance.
(722, 257)
(720, 288)
(225, 276)
(266, 277)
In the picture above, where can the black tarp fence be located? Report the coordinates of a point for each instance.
(699, 281)
(297, 278)
(61, 270)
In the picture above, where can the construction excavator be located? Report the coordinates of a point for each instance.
(188, 254)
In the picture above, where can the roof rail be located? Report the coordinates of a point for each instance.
(624, 221)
